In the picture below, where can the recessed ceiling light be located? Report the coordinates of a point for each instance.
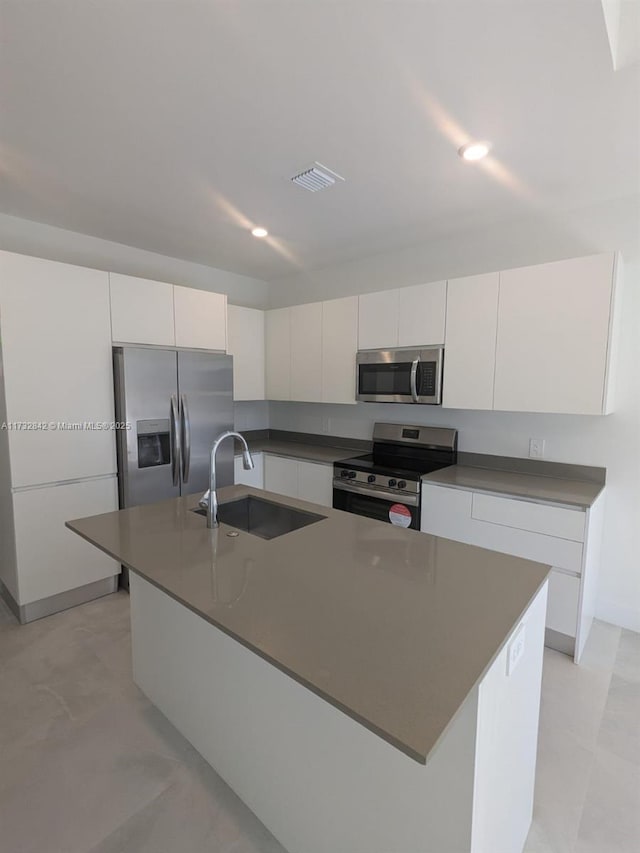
(259, 232)
(474, 150)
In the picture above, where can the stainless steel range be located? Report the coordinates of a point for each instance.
(385, 484)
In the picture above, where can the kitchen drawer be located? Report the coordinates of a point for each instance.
(523, 543)
(449, 512)
(525, 515)
(562, 607)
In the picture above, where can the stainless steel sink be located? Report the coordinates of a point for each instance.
(265, 519)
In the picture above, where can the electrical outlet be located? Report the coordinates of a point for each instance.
(515, 649)
(536, 448)
(326, 425)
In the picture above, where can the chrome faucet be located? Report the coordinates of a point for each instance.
(210, 498)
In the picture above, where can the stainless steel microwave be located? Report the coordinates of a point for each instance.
(400, 376)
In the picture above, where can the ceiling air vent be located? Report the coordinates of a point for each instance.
(316, 177)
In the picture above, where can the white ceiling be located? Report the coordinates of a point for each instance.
(174, 126)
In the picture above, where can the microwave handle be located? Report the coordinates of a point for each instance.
(414, 375)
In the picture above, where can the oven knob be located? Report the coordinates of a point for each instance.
(402, 484)
(392, 483)
(344, 473)
(351, 475)
(371, 478)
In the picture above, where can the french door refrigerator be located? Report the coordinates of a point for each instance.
(175, 404)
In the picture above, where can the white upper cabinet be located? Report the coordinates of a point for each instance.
(407, 316)
(153, 312)
(247, 346)
(141, 311)
(554, 323)
(311, 351)
(470, 343)
(339, 347)
(278, 353)
(200, 319)
(56, 351)
(421, 314)
(306, 352)
(378, 320)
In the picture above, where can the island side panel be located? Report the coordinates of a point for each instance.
(507, 738)
(319, 781)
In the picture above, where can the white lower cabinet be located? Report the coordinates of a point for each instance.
(296, 478)
(315, 483)
(253, 477)
(567, 539)
(51, 559)
(564, 600)
(281, 475)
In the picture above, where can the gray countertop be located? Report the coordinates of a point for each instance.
(301, 450)
(392, 626)
(557, 490)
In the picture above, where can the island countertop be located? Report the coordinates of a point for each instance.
(392, 626)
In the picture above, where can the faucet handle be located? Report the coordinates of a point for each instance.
(204, 500)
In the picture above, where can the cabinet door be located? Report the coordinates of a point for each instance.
(278, 353)
(281, 475)
(562, 609)
(306, 352)
(200, 319)
(254, 477)
(339, 347)
(421, 314)
(141, 311)
(56, 349)
(378, 320)
(56, 560)
(246, 345)
(470, 342)
(553, 333)
(315, 483)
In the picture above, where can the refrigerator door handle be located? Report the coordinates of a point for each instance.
(175, 442)
(186, 438)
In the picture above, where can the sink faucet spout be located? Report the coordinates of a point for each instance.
(210, 498)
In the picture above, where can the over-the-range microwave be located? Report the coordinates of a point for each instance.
(400, 376)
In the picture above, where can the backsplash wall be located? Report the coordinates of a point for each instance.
(253, 414)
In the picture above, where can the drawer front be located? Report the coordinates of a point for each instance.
(532, 546)
(525, 515)
(449, 513)
(562, 607)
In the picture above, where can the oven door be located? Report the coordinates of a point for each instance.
(400, 376)
(399, 509)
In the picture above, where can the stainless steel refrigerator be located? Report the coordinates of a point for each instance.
(177, 403)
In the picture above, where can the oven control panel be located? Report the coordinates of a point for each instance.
(376, 481)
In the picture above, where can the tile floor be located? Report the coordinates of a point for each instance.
(87, 765)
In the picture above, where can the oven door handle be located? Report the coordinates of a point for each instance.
(414, 376)
(393, 497)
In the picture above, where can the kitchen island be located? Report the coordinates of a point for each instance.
(363, 688)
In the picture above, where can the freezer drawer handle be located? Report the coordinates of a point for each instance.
(175, 442)
(185, 437)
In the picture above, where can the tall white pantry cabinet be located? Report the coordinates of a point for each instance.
(55, 332)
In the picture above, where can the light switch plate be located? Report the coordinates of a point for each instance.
(515, 649)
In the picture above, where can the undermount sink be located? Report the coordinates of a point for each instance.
(265, 519)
